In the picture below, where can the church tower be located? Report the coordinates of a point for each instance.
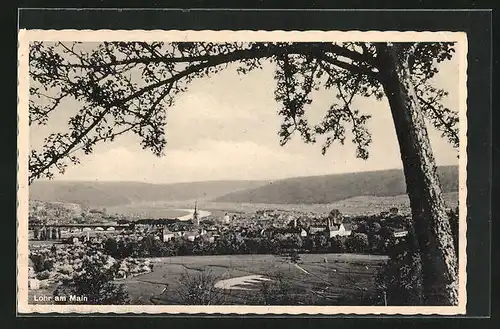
(196, 220)
(329, 224)
(335, 216)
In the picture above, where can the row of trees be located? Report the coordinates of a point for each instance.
(232, 244)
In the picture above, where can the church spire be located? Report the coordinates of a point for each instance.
(195, 213)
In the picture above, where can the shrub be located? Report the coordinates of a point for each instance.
(321, 242)
(41, 263)
(294, 257)
(282, 291)
(199, 289)
(111, 247)
(294, 242)
(44, 275)
(337, 244)
(95, 282)
(378, 244)
(276, 292)
(375, 227)
(357, 242)
(66, 269)
(401, 279)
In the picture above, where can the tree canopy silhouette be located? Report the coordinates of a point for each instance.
(128, 86)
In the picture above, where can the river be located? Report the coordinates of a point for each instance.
(201, 214)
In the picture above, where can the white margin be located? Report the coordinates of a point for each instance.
(26, 36)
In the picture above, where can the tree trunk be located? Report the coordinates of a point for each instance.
(429, 217)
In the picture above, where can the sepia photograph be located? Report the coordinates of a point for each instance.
(242, 172)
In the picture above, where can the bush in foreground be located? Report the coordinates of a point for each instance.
(199, 289)
(95, 282)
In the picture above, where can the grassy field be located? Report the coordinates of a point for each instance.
(341, 276)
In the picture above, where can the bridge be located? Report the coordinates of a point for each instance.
(53, 231)
(83, 225)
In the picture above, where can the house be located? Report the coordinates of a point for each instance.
(314, 229)
(394, 211)
(192, 235)
(33, 284)
(215, 236)
(399, 232)
(295, 227)
(338, 230)
(167, 234)
(335, 217)
(211, 229)
(333, 226)
(31, 269)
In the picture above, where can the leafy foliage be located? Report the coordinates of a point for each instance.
(127, 87)
(401, 279)
(357, 242)
(41, 263)
(199, 289)
(277, 292)
(94, 281)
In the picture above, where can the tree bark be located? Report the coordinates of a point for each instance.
(429, 218)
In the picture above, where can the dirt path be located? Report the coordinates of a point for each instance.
(233, 283)
(300, 268)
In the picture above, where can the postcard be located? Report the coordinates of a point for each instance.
(242, 172)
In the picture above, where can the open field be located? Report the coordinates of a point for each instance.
(343, 275)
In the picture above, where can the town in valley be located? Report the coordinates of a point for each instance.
(261, 256)
(241, 172)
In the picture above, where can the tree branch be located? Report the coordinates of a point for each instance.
(300, 48)
(346, 66)
(214, 61)
(447, 126)
(351, 54)
(207, 61)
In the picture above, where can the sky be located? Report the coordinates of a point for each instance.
(226, 128)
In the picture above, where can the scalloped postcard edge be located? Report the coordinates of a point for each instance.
(26, 36)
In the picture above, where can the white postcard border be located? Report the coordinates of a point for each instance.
(26, 36)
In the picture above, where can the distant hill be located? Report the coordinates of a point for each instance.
(332, 188)
(299, 190)
(105, 194)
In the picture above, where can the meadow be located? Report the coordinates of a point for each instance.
(330, 277)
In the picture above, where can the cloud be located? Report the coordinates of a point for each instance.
(226, 127)
(214, 160)
(246, 160)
